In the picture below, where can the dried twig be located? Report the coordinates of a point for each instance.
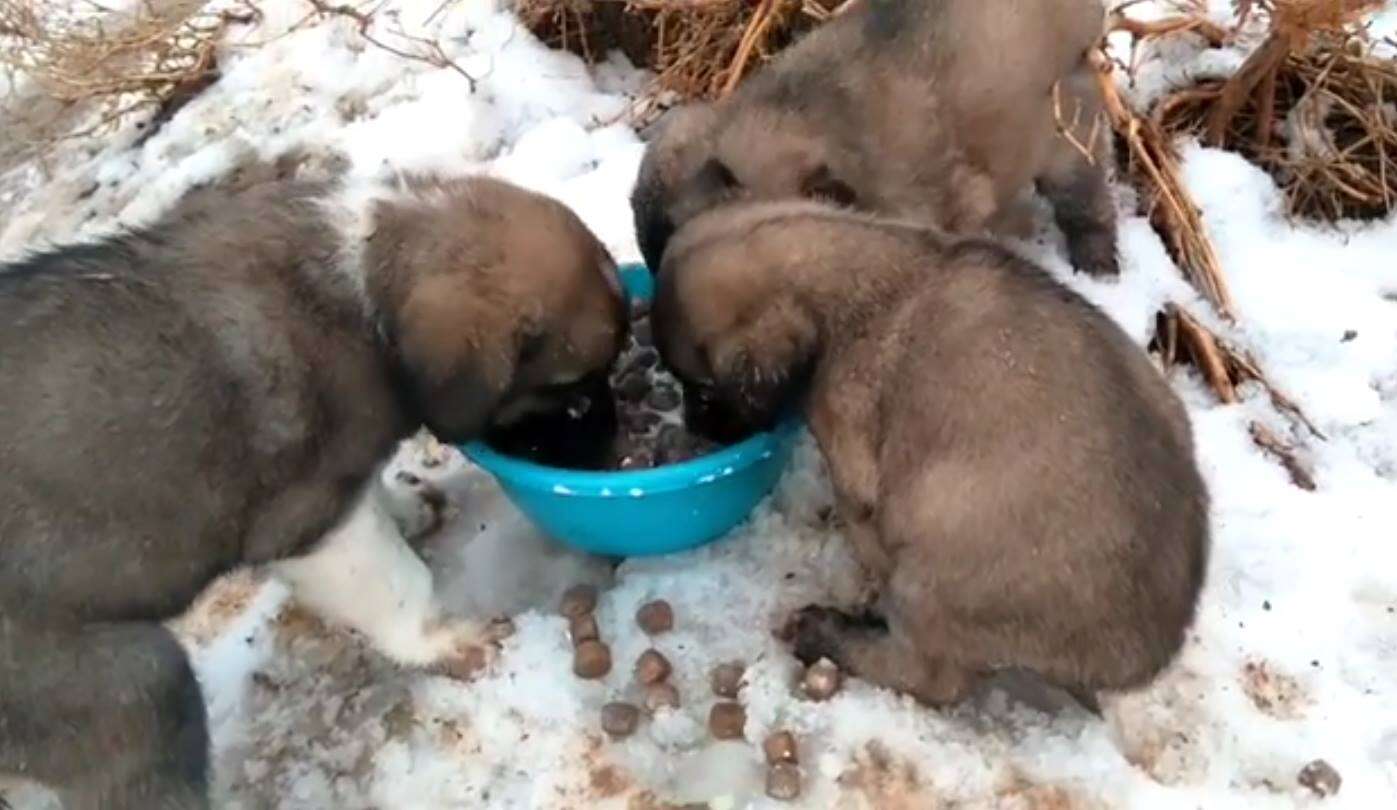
(1180, 337)
(1264, 438)
(414, 48)
(1173, 212)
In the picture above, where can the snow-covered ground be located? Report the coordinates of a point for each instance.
(1294, 657)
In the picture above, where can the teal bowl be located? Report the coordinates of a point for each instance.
(639, 513)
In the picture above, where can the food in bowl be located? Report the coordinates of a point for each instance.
(634, 423)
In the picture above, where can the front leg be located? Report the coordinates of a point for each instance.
(363, 575)
(843, 424)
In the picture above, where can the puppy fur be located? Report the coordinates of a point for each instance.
(1016, 477)
(939, 112)
(219, 389)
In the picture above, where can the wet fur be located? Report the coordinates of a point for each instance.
(219, 389)
(938, 112)
(1016, 477)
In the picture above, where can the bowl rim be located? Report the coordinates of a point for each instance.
(706, 469)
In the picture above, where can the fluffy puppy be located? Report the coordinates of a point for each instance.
(1017, 478)
(940, 112)
(219, 389)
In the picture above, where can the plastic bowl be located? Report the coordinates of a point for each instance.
(640, 513)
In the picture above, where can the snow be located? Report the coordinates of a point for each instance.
(1294, 656)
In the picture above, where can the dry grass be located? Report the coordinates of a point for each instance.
(152, 57)
(697, 48)
(1312, 105)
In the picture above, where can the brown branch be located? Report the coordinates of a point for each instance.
(1268, 441)
(1260, 67)
(364, 22)
(1175, 215)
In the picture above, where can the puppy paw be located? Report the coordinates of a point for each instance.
(1094, 254)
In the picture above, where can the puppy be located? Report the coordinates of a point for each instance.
(220, 389)
(1017, 478)
(941, 112)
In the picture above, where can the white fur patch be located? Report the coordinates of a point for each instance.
(363, 575)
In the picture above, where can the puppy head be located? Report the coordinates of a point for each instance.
(736, 333)
(679, 147)
(499, 302)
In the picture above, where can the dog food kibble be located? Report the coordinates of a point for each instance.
(619, 719)
(583, 628)
(632, 386)
(1320, 778)
(822, 680)
(655, 617)
(726, 720)
(726, 679)
(783, 782)
(780, 747)
(663, 398)
(649, 407)
(591, 660)
(661, 695)
(652, 667)
(578, 600)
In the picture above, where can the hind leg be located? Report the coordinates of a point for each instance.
(878, 654)
(108, 717)
(1076, 186)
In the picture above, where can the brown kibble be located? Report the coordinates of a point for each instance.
(661, 695)
(655, 617)
(583, 628)
(652, 667)
(783, 782)
(578, 600)
(780, 747)
(726, 720)
(619, 719)
(1320, 778)
(726, 679)
(822, 680)
(591, 660)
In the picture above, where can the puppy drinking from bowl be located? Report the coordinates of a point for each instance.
(943, 112)
(1017, 478)
(220, 389)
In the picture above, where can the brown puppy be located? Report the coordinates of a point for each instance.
(218, 389)
(1018, 479)
(940, 112)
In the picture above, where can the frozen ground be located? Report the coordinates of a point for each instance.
(1295, 652)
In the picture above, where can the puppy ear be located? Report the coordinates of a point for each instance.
(820, 183)
(766, 360)
(458, 351)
